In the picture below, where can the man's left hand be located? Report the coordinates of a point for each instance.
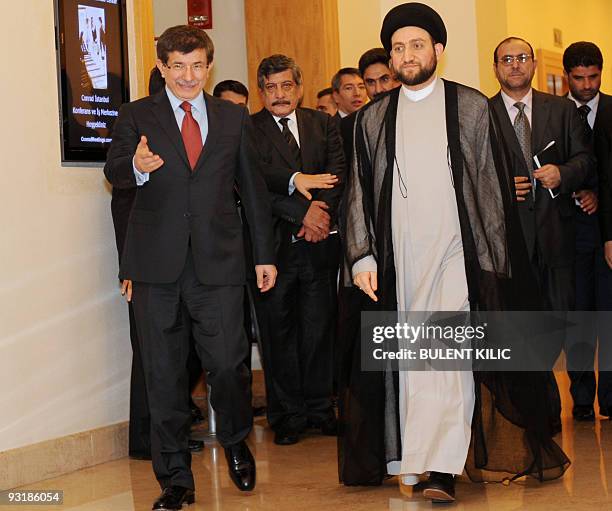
(588, 201)
(266, 276)
(549, 176)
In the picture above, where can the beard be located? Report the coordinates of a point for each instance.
(424, 73)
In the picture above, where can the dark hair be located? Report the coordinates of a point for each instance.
(324, 92)
(507, 40)
(232, 86)
(277, 64)
(156, 81)
(373, 56)
(345, 71)
(184, 39)
(582, 53)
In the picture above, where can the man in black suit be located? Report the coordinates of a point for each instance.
(583, 63)
(297, 320)
(184, 253)
(549, 127)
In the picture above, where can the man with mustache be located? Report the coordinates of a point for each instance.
(429, 218)
(348, 90)
(537, 124)
(297, 318)
(184, 254)
(583, 64)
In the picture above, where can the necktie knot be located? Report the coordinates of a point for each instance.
(285, 122)
(520, 106)
(186, 106)
(584, 110)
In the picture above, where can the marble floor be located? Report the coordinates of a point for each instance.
(304, 476)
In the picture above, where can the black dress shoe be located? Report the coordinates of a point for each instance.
(583, 413)
(173, 498)
(196, 445)
(241, 466)
(138, 455)
(328, 426)
(440, 487)
(196, 414)
(285, 438)
(259, 411)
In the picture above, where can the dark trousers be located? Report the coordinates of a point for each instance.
(140, 420)
(297, 320)
(593, 293)
(165, 314)
(557, 289)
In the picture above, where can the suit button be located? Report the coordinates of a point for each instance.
(187, 215)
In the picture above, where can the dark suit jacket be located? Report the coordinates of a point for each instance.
(179, 210)
(549, 224)
(321, 152)
(603, 151)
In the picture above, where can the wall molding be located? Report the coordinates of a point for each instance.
(59, 456)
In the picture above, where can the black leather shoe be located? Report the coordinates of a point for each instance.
(328, 427)
(285, 438)
(259, 411)
(241, 466)
(138, 455)
(583, 413)
(173, 498)
(196, 445)
(440, 487)
(196, 414)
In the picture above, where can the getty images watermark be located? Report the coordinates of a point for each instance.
(483, 341)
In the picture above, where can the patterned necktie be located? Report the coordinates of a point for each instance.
(192, 136)
(583, 111)
(523, 134)
(291, 142)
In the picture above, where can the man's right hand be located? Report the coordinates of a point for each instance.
(523, 187)
(367, 281)
(317, 219)
(144, 160)
(305, 182)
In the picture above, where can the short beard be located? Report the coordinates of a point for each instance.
(424, 74)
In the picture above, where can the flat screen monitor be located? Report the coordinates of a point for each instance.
(92, 75)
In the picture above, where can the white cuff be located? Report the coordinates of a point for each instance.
(368, 263)
(141, 177)
(291, 185)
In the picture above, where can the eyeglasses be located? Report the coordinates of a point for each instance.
(508, 60)
(287, 86)
(179, 68)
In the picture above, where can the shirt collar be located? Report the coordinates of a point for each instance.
(342, 114)
(292, 117)
(198, 102)
(418, 95)
(593, 104)
(527, 99)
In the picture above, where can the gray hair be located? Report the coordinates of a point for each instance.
(277, 64)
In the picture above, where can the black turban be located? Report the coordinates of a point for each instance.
(412, 14)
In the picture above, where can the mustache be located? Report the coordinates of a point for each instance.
(281, 102)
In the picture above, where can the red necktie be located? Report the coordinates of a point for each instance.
(192, 137)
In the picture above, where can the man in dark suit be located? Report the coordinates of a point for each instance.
(298, 315)
(184, 253)
(548, 127)
(583, 63)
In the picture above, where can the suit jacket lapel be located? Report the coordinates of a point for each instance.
(165, 116)
(540, 111)
(276, 137)
(213, 116)
(506, 127)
